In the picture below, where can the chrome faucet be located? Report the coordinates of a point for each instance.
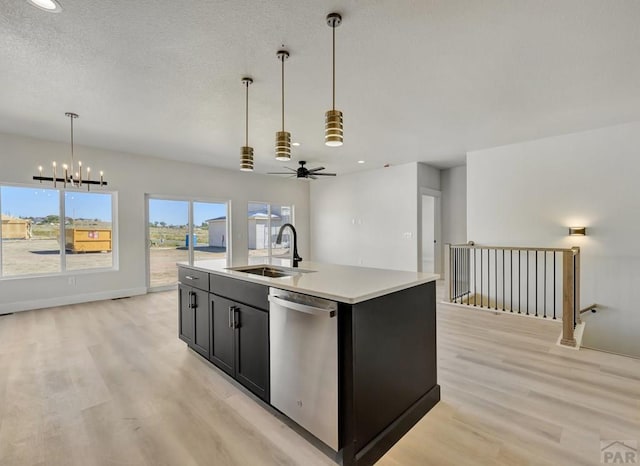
(295, 258)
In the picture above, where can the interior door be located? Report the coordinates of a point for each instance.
(428, 233)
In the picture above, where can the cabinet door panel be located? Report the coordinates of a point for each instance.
(252, 350)
(222, 334)
(186, 321)
(202, 333)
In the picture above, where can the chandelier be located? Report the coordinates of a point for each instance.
(69, 176)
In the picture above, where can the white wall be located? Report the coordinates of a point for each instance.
(528, 194)
(132, 176)
(453, 182)
(367, 218)
(428, 176)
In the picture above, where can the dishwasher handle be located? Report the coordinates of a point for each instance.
(317, 311)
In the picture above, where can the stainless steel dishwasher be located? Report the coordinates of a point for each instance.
(303, 334)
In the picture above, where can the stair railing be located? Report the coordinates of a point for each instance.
(538, 282)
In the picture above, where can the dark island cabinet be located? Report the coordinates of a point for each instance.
(252, 349)
(202, 334)
(240, 343)
(186, 320)
(387, 364)
(223, 351)
(193, 305)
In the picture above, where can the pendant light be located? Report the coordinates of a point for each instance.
(333, 131)
(70, 176)
(246, 152)
(283, 138)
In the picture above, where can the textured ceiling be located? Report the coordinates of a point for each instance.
(417, 80)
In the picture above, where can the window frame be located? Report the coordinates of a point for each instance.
(63, 272)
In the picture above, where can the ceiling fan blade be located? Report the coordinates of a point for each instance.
(313, 177)
(292, 169)
(325, 174)
(316, 169)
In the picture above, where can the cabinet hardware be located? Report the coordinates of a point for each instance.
(236, 323)
(189, 277)
(193, 301)
(231, 318)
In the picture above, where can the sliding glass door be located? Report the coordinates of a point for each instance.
(183, 231)
(167, 240)
(210, 236)
(264, 221)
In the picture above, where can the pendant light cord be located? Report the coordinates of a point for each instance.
(334, 67)
(72, 163)
(282, 60)
(246, 121)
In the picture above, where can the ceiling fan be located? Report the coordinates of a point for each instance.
(303, 172)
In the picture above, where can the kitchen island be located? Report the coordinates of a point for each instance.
(347, 353)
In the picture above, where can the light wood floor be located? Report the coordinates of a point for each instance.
(109, 383)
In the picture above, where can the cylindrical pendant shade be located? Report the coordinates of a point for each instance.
(283, 146)
(246, 159)
(333, 131)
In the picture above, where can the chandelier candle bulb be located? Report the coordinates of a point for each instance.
(66, 174)
(55, 178)
(40, 171)
(101, 177)
(80, 173)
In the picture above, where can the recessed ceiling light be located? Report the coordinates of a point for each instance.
(296, 144)
(360, 161)
(52, 6)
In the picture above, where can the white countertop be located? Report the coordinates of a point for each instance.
(342, 283)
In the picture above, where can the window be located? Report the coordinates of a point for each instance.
(173, 237)
(264, 222)
(36, 223)
(88, 230)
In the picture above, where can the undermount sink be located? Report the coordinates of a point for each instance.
(271, 271)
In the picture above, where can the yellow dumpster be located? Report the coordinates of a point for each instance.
(88, 240)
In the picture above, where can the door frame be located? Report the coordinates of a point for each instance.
(437, 195)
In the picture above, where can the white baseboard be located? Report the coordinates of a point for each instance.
(471, 307)
(19, 306)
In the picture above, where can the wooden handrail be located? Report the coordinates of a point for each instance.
(593, 307)
(509, 248)
(568, 299)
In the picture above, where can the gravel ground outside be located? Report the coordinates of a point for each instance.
(42, 256)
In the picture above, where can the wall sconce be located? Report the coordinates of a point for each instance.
(577, 231)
